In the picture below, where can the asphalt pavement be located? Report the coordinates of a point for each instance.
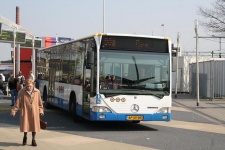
(212, 110)
(11, 138)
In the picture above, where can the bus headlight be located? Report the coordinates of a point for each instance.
(164, 110)
(100, 109)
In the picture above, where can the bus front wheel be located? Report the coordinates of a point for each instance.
(73, 111)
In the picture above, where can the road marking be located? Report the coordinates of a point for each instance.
(191, 126)
(179, 109)
(5, 109)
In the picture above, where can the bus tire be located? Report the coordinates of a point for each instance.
(72, 109)
(135, 121)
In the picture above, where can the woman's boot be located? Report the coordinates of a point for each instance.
(24, 140)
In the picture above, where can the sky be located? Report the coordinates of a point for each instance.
(81, 18)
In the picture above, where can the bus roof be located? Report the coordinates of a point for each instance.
(109, 34)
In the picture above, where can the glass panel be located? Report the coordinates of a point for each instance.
(42, 65)
(125, 72)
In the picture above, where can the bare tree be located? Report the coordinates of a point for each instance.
(214, 17)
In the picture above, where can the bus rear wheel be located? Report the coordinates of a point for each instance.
(73, 111)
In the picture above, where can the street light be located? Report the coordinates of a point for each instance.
(177, 61)
(14, 51)
(220, 48)
(163, 28)
(197, 67)
(103, 16)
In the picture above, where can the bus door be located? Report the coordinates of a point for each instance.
(86, 93)
(51, 86)
(89, 84)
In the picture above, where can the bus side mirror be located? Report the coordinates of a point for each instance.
(90, 59)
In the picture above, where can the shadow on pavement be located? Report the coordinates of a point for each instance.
(183, 96)
(60, 120)
(63, 121)
(7, 144)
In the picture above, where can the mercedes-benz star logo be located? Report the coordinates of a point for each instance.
(134, 108)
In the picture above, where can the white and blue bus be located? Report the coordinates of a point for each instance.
(108, 77)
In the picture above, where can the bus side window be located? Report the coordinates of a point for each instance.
(77, 80)
(87, 85)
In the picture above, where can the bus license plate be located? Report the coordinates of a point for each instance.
(134, 117)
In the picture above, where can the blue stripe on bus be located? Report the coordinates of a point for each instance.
(95, 116)
(58, 102)
(79, 110)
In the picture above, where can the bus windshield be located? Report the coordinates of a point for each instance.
(134, 72)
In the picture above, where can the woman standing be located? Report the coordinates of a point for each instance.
(12, 86)
(30, 105)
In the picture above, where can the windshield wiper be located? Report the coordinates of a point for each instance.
(131, 92)
(131, 82)
(150, 93)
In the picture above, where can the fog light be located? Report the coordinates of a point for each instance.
(164, 117)
(123, 99)
(112, 99)
(102, 116)
(164, 110)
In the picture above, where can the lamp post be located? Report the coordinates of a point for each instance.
(14, 64)
(103, 16)
(14, 51)
(163, 28)
(220, 48)
(33, 57)
(177, 61)
(197, 67)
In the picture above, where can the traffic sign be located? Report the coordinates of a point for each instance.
(8, 37)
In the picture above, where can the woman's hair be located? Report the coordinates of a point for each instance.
(29, 81)
(11, 78)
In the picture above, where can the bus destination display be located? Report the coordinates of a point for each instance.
(134, 43)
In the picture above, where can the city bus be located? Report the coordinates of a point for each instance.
(108, 77)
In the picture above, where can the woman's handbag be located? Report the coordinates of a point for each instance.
(43, 123)
(18, 86)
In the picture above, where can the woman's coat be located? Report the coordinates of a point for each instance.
(30, 107)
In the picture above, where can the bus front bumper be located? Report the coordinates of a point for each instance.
(105, 116)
